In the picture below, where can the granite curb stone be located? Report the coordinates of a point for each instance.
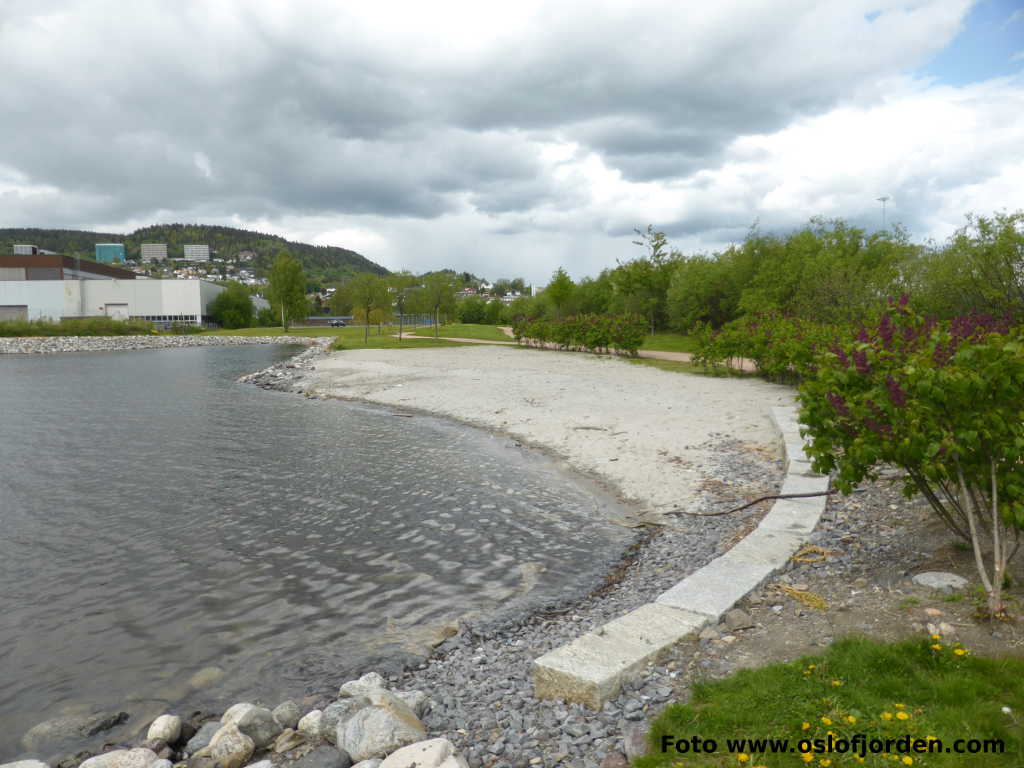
(590, 670)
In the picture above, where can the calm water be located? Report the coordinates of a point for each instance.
(157, 518)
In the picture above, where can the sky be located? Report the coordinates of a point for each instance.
(510, 138)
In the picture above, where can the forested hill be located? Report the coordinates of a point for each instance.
(323, 263)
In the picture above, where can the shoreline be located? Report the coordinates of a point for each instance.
(461, 702)
(489, 663)
(49, 345)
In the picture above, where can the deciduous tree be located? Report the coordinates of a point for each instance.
(286, 289)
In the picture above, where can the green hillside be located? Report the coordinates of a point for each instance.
(321, 263)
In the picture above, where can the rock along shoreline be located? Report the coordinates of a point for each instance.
(480, 695)
(49, 345)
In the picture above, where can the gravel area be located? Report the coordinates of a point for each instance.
(480, 682)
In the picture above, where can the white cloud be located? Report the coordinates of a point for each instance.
(501, 138)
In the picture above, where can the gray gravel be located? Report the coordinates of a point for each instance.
(480, 686)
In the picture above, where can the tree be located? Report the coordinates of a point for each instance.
(980, 268)
(559, 290)
(438, 295)
(642, 284)
(233, 307)
(286, 289)
(943, 404)
(367, 293)
(472, 310)
(402, 286)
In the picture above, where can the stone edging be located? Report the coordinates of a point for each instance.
(591, 668)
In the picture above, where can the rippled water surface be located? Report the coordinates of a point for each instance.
(157, 518)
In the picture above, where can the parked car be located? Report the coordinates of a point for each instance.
(337, 323)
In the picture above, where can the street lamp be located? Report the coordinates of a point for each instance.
(883, 200)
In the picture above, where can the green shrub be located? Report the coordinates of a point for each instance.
(590, 333)
(80, 326)
(945, 403)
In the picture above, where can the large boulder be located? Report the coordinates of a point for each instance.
(337, 714)
(46, 735)
(433, 753)
(325, 757)
(122, 758)
(202, 737)
(379, 730)
(415, 700)
(257, 723)
(287, 714)
(25, 764)
(371, 682)
(940, 580)
(229, 748)
(166, 728)
(310, 723)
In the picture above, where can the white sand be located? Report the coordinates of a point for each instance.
(635, 428)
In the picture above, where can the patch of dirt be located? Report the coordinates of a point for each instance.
(875, 541)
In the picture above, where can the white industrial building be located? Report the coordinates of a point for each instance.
(37, 287)
(153, 251)
(196, 252)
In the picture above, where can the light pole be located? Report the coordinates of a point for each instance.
(883, 200)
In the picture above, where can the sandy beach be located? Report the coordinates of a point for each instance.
(641, 431)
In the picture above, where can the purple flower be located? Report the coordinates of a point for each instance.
(839, 404)
(896, 393)
(885, 330)
(860, 359)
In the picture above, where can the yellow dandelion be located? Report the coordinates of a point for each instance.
(887, 715)
(805, 726)
(825, 761)
(902, 716)
(807, 757)
(851, 719)
(837, 683)
(936, 647)
(900, 706)
(743, 757)
(908, 760)
(813, 666)
(826, 721)
(936, 637)
(960, 652)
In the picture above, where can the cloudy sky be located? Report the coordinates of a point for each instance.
(509, 138)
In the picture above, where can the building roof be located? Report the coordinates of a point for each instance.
(59, 261)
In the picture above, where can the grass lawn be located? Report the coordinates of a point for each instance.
(352, 338)
(669, 342)
(312, 332)
(927, 689)
(466, 331)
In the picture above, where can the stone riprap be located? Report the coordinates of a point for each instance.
(591, 669)
(37, 345)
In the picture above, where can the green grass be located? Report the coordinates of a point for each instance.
(83, 326)
(941, 694)
(669, 342)
(352, 338)
(466, 331)
(311, 332)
